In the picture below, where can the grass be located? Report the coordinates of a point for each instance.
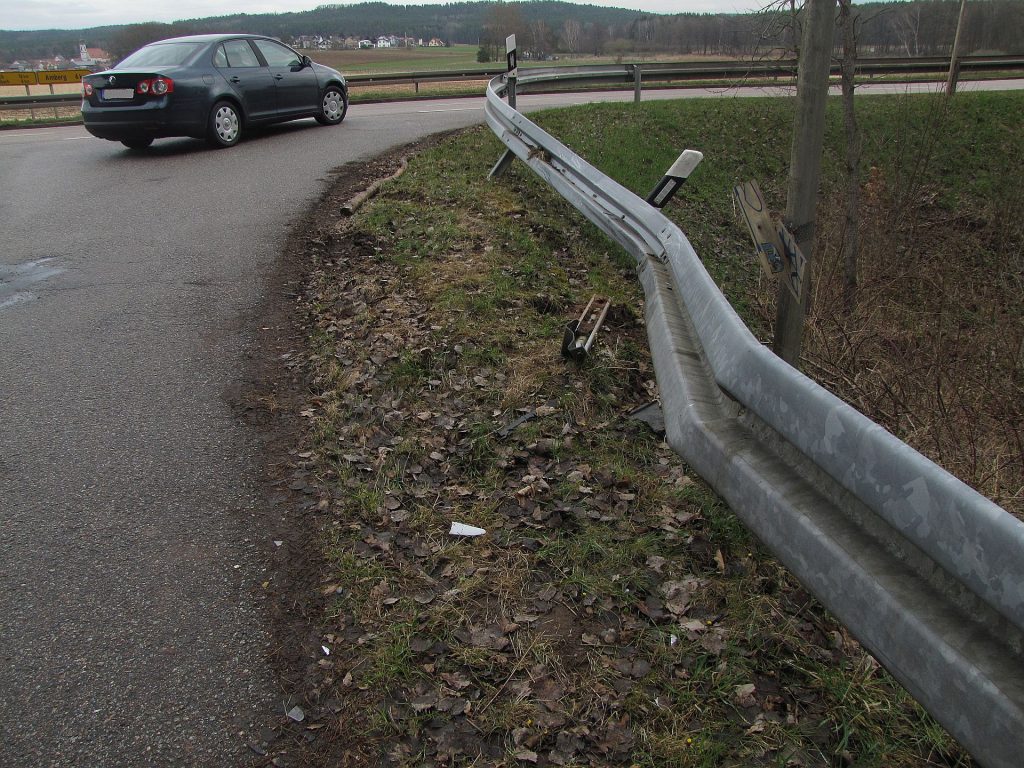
(933, 350)
(615, 612)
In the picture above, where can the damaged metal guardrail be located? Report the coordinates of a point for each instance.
(924, 571)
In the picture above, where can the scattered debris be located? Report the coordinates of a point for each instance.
(651, 415)
(356, 202)
(596, 615)
(508, 429)
(461, 529)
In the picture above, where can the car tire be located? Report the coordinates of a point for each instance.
(224, 128)
(137, 143)
(333, 106)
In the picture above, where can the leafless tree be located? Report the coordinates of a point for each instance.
(540, 39)
(907, 23)
(572, 32)
(503, 20)
(851, 235)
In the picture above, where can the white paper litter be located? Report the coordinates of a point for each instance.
(461, 529)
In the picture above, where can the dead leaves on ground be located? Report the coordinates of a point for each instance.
(592, 624)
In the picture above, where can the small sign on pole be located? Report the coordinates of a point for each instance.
(796, 264)
(510, 56)
(762, 229)
(776, 247)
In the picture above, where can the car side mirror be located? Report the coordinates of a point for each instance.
(307, 62)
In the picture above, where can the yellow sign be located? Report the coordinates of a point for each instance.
(61, 76)
(17, 78)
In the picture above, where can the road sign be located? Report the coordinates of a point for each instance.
(17, 78)
(766, 239)
(510, 56)
(61, 76)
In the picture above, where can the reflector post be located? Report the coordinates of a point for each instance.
(674, 177)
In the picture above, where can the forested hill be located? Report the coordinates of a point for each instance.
(451, 22)
(907, 28)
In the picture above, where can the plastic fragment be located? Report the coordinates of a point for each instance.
(461, 529)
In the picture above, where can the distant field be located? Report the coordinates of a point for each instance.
(374, 60)
(380, 60)
(388, 60)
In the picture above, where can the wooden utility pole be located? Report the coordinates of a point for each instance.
(954, 59)
(805, 166)
(851, 236)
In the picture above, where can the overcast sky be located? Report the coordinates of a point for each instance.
(80, 14)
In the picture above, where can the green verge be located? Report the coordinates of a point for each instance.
(933, 348)
(615, 612)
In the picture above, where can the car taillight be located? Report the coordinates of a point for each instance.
(157, 86)
(87, 89)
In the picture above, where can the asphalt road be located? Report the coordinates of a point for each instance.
(131, 631)
(131, 550)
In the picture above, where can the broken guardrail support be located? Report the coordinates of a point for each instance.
(588, 325)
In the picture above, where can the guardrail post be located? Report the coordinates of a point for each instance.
(503, 162)
(637, 76)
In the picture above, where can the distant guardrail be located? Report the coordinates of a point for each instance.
(636, 73)
(925, 572)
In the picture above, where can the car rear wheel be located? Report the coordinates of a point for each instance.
(225, 128)
(136, 143)
(333, 106)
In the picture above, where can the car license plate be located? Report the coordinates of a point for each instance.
(112, 94)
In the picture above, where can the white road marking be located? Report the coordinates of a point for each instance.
(37, 134)
(453, 109)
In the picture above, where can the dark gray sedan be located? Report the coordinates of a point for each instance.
(209, 86)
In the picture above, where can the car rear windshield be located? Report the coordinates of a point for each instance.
(161, 55)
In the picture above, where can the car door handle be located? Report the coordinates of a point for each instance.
(235, 79)
(279, 77)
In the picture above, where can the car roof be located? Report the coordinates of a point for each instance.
(211, 38)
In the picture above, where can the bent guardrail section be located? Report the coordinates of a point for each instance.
(924, 571)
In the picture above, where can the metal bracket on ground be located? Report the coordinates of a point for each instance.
(589, 323)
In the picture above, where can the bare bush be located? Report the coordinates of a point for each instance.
(933, 349)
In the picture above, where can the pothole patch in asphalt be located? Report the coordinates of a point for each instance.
(16, 278)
